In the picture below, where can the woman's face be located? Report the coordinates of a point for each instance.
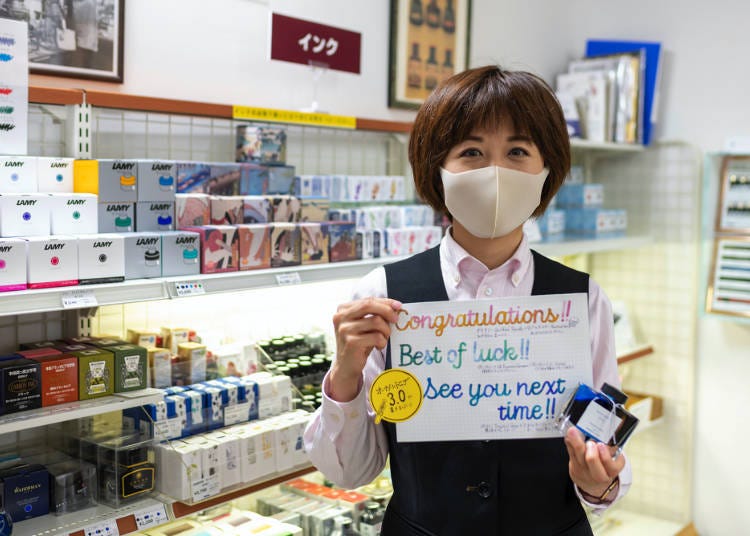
(503, 147)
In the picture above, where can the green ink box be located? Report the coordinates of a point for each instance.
(96, 373)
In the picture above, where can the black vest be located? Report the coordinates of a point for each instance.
(508, 487)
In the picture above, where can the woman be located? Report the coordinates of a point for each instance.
(489, 148)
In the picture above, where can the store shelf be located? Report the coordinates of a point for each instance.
(635, 353)
(24, 420)
(604, 147)
(574, 247)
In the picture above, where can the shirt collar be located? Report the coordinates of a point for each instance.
(456, 256)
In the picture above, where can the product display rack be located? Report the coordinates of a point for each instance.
(34, 301)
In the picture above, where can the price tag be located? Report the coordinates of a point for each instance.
(151, 517)
(237, 413)
(206, 488)
(169, 429)
(189, 288)
(292, 278)
(76, 299)
(108, 528)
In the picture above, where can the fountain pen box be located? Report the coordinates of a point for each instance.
(25, 492)
(156, 180)
(95, 372)
(59, 378)
(20, 384)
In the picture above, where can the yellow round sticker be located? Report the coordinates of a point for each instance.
(395, 395)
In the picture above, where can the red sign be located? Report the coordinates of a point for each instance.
(305, 42)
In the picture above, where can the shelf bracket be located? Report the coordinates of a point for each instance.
(78, 322)
(79, 137)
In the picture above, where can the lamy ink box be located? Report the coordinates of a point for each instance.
(154, 216)
(12, 264)
(54, 175)
(73, 214)
(180, 253)
(156, 180)
(117, 217)
(52, 261)
(18, 174)
(24, 214)
(142, 255)
(101, 259)
(117, 181)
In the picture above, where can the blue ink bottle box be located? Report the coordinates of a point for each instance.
(156, 180)
(154, 216)
(25, 491)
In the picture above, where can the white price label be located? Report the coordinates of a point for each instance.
(151, 517)
(75, 299)
(108, 528)
(169, 429)
(292, 278)
(206, 488)
(237, 413)
(189, 288)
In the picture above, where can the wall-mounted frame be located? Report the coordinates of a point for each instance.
(74, 38)
(733, 213)
(729, 288)
(429, 42)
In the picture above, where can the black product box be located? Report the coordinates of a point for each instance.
(20, 384)
(126, 469)
(73, 485)
(25, 492)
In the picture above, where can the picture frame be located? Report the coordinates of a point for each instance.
(733, 212)
(429, 42)
(72, 38)
(729, 288)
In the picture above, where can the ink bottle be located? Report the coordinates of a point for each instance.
(371, 519)
(600, 416)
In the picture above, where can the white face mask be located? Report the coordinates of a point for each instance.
(492, 201)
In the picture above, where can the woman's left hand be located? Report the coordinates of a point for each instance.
(591, 466)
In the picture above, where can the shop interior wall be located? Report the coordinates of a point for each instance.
(217, 52)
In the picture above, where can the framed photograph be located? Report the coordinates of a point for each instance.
(729, 288)
(733, 214)
(429, 43)
(76, 38)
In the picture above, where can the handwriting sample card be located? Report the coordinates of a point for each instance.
(492, 369)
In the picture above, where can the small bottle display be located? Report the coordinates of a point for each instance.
(415, 13)
(344, 526)
(371, 520)
(126, 469)
(600, 416)
(446, 70)
(432, 17)
(449, 18)
(414, 71)
(431, 71)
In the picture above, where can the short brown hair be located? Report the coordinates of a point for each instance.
(481, 98)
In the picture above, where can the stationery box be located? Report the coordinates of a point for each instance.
(25, 492)
(86, 176)
(365, 243)
(117, 181)
(219, 248)
(180, 469)
(226, 210)
(191, 362)
(256, 209)
(258, 179)
(316, 186)
(314, 209)
(54, 175)
(35, 353)
(193, 177)
(24, 214)
(580, 195)
(59, 375)
(192, 210)
(96, 373)
(73, 214)
(154, 216)
(13, 264)
(160, 367)
(20, 384)
(18, 174)
(101, 259)
(314, 243)
(147, 339)
(142, 255)
(180, 253)
(286, 245)
(552, 222)
(126, 468)
(254, 246)
(230, 472)
(224, 179)
(116, 217)
(52, 261)
(156, 180)
(178, 419)
(211, 462)
(173, 337)
(596, 222)
(195, 411)
(73, 484)
(261, 144)
(131, 367)
(257, 454)
(285, 208)
(342, 244)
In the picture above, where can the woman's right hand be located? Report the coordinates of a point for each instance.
(360, 326)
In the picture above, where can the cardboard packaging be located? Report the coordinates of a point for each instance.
(131, 367)
(342, 243)
(156, 180)
(256, 209)
(258, 179)
(147, 339)
(59, 378)
(154, 216)
(20, 384)
(24, 215)
(73, 485)
(117, 217)
(316, 186)
(261, 144)
(254, 246)
(286, 245)
(117, 181)
(12, 264)
(173, 337)
(25, 491)
(314, 243)
(96, 373)
(18, 174)
(180, 469)
(192, 177)
(285, 208)
(192, 358)
(180, 253)
(195, 410)
(86, 176)
(192, 210)
(160, 367)
(142, 255)
(219, 248)
(52, 261)
(226, 210)
(73, 214)
(101, 259)
(54, 175)
(580, 195)
(314, 209)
